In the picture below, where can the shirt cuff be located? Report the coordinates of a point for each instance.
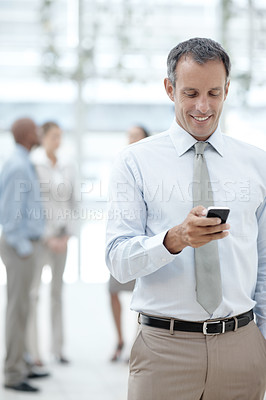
(158, 253)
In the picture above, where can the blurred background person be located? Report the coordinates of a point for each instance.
(135, 133)
(21, 219)
(57, 179)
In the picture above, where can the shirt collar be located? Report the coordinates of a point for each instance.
(183, 141)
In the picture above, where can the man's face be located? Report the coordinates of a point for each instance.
(198, 96)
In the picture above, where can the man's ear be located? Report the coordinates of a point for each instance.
(169, 89)
(226, 89)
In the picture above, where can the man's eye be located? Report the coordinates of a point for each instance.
(191, 94)
(215, 93)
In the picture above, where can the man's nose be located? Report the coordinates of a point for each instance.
(202, 104)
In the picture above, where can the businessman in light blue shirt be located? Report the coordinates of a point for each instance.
(22, 228)
(181, 350)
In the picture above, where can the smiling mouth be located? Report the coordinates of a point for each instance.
(201, 119)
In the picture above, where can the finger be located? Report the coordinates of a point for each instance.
(220, 235)
(203, 233)
(209, 238)
(204, 222)
(215, 228)
(215, 236)
(209, 221)
(199, 211)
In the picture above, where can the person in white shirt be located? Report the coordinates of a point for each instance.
(58, 192)
(183, 349)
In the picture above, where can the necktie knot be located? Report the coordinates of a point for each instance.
(200, 147)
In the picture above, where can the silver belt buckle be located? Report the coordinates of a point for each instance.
(205, 327)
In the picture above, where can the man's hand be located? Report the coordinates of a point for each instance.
(195, 231)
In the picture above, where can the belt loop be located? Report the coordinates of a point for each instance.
(236, 324)
(172, 326)
(139, 318)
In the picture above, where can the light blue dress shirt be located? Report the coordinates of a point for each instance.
(20, 203)
(151, 191)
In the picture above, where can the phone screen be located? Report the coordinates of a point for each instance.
(222, 213)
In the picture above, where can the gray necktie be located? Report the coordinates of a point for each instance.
(207, 265)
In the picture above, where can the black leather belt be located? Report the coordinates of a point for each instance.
(210, 327)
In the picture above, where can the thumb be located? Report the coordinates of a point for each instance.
(199, 211)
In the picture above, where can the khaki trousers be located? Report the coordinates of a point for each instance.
(20, 272)
(57, 262)
(192, 366)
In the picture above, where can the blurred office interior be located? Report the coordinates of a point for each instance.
(97, 67)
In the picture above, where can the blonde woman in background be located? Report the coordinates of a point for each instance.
(57, 180)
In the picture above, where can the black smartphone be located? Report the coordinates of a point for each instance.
(220, 212)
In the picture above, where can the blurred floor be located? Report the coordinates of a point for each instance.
(90, 341)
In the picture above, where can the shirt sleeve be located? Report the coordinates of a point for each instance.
(130, 253)
(13, 199)
(260, 292)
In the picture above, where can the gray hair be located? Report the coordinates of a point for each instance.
(201, 50)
